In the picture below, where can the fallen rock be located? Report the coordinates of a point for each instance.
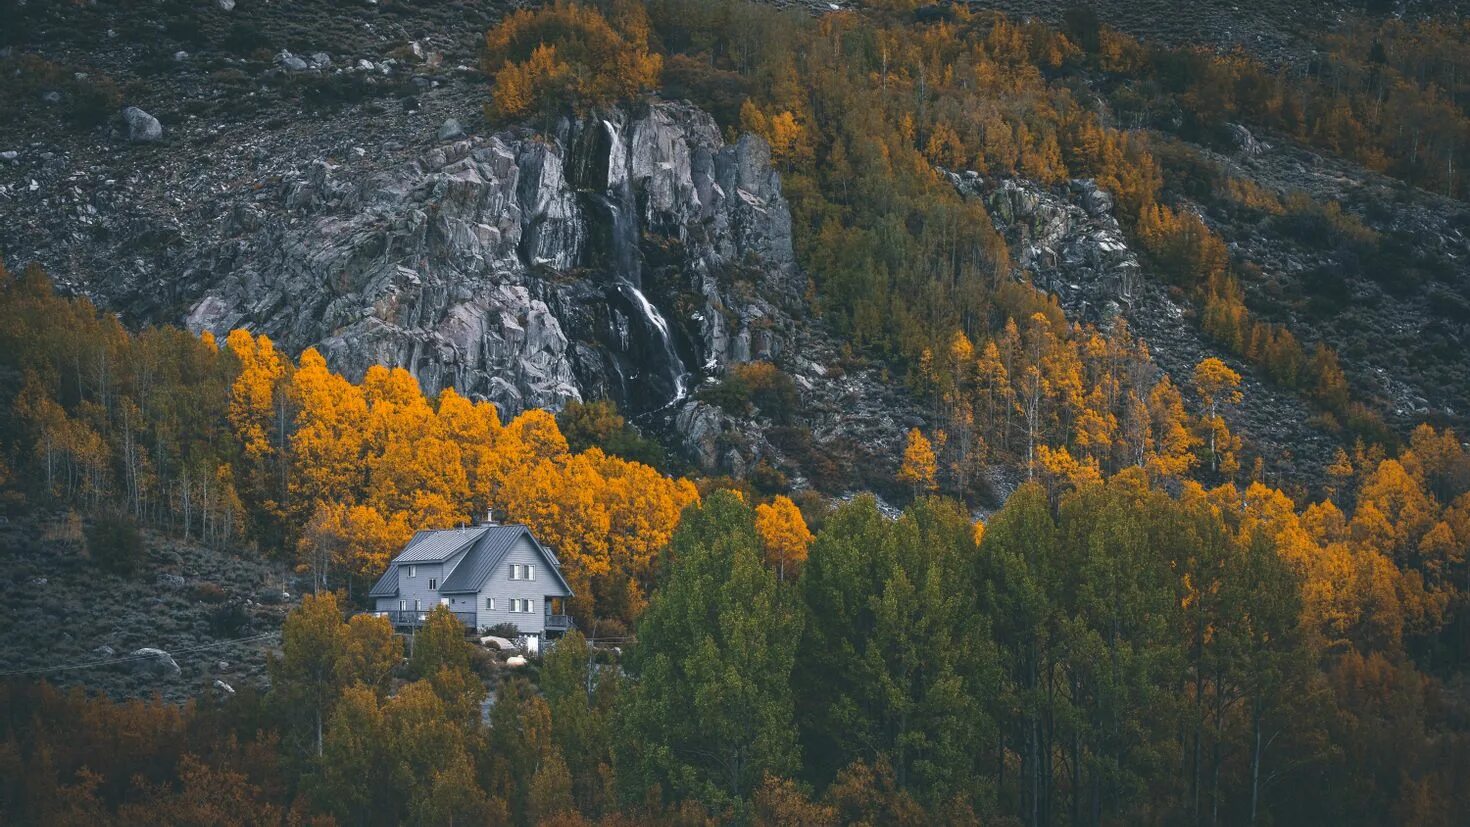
(451, 130)
(142, 127)
(155, 662)
(291, 63)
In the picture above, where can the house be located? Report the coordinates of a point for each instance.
(486, 574)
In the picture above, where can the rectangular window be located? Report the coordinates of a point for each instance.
(433, 583)
(413, 571)
(530, 572)
(402, 605)
(515, 571)
(490, 603)
(416, 605)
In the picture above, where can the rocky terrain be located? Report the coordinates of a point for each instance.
(190, 619)
(321, 172)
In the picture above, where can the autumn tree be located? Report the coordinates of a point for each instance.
(1218, 388)
(304, 679)
(919, 467)
(783, 534)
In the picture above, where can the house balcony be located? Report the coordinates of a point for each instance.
(559, 623)
(413, 618)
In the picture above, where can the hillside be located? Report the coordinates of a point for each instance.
(1004, 413)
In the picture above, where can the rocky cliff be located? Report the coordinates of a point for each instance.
(529, 269)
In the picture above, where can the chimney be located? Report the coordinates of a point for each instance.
(490, 516)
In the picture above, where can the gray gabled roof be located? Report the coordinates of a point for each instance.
(486, 555)
(387, 585)
(488, 545)
(439, 546)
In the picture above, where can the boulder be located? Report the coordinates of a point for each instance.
(515, 661)
(451, 130)
(291, 63)
(142, 127)
(104, 651)
(224, 688)
(1245, 141)
(157, 662)
(225, 5)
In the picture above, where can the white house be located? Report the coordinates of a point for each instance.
(486, 574)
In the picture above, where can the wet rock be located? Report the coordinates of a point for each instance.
(477, 265)
(142, 127)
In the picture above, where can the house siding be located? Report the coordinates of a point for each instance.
(417, 587)
(499, 586)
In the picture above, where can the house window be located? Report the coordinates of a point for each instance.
(413, 571)
(402, 605)
(490, 603)
(416, 605)
(433, 583)
(515, 571)
(530, 572)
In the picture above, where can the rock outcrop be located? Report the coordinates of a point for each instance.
(1068, 243)
(527, 269)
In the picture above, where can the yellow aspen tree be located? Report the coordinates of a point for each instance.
(1218, 387)
(253, 393)
(919, 467)
(783, 534)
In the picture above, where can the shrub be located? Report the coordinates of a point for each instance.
(88, 98)
(114, 543)
(208, 593)
(599, 425)
(229, 620)
(510, 631)
(569, 53)
(761, 384)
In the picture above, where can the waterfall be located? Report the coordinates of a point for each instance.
(656, 321)
(623, 259)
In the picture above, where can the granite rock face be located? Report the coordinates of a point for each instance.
(627, 254)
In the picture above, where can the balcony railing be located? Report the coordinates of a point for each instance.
(418, 617)
(559, 622)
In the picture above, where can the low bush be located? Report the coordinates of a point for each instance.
(115, 544)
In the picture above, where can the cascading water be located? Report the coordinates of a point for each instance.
(653, 356)
(678, 374)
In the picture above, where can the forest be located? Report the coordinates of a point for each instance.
(1148, 630)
